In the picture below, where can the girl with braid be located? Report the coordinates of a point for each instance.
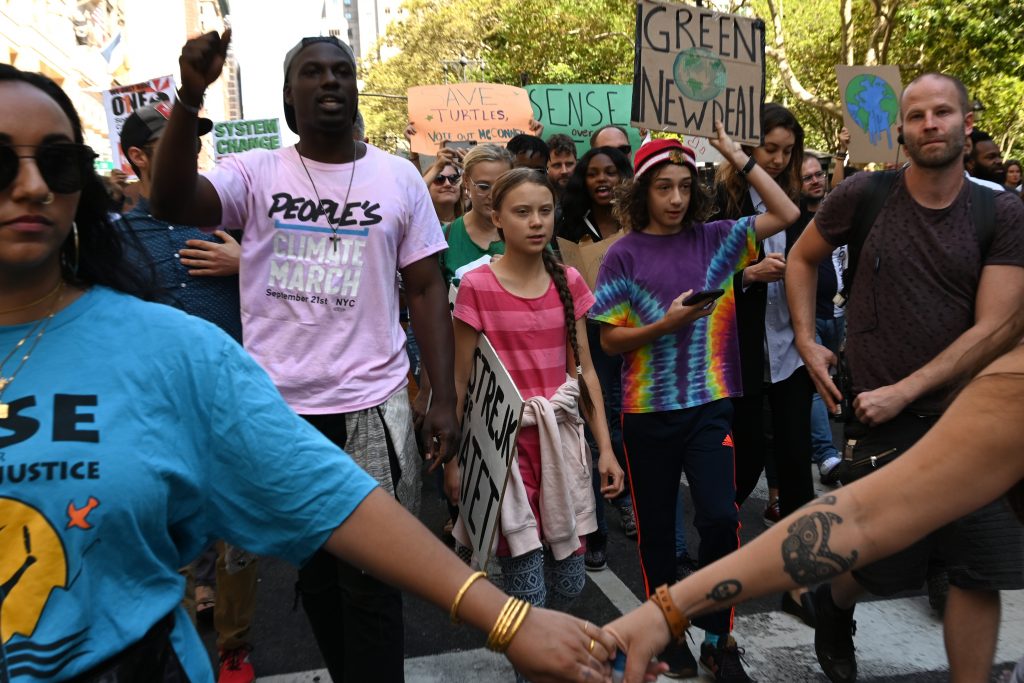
(532, 309)
(681, 362)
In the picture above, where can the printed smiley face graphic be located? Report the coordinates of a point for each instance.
(32, 565)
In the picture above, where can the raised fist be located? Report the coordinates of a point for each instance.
(201, 61)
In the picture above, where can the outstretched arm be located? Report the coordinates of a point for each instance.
(381, 537)
(867, 520)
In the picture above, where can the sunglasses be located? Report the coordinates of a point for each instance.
(625, 149)
(482, 187)
(817, 175)
(452, 179)
(65, 166)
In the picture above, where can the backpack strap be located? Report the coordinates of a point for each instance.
(983, 215)
(873, 196)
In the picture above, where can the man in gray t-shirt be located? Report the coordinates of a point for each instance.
(924, 295)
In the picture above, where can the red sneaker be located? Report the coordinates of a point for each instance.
(235, 666)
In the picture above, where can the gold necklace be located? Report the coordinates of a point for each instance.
(36, 302)
(41, 326)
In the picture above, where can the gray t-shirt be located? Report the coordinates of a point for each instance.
(916, 280)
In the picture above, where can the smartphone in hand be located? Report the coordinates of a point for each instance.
(703, 297)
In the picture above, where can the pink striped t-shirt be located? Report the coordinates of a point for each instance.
(527, 334)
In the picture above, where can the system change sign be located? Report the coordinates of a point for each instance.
(694, 66)
(232, 137)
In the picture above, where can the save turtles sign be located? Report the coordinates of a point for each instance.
(694, 66)
(871, 108)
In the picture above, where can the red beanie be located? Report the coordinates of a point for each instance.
(657, 151)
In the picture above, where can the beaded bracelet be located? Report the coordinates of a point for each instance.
(462, 591)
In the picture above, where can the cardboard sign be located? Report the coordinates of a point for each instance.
(490, 423)
(694, 66)
(122, 101)
(871, 111)
(587, 256)
(580, 110)
(702, 149)
(232, 137)
(461, 112)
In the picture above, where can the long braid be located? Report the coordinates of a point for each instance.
(557, 273)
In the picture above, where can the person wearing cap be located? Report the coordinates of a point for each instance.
(681, 362)
(327, 224)
(197, 273)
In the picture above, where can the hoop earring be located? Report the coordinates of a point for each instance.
(72, 266)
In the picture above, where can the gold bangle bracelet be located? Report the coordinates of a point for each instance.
(462, 591)
(504, 617)
(513, 629)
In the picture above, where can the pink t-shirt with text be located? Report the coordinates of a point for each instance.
(321, 316)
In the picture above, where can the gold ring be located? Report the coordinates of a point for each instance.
(591, 648)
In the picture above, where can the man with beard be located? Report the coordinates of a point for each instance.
(926, 291)
(984, 161)
(328, 222)
(561, 161)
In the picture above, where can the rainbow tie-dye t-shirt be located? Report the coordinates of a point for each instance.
(640, 277)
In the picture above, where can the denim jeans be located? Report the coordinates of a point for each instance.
(830, 334)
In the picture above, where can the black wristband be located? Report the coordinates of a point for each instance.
(747, 167)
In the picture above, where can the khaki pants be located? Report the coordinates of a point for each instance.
(236, 601)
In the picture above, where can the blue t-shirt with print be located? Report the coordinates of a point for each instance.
(135, 435)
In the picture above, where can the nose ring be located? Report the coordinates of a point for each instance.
(48, 199)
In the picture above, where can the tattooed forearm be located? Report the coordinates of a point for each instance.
(725, 590)
(806, 555)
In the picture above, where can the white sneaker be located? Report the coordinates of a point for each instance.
(827, 470)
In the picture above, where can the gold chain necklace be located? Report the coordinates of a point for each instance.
(39, 329)
(38, 301)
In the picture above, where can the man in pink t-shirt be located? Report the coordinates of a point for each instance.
(327, 227)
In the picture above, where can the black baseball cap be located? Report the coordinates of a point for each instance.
(289, 111)
(147, 123)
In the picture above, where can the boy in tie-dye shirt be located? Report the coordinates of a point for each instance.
(681, 364)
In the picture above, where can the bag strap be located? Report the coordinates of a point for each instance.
(983, 215)
(873, 197)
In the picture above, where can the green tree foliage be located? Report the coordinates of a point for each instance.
(564, 41)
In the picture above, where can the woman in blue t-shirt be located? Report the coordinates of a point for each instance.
(681, 361)
(115, 416)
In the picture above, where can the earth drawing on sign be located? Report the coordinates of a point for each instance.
(699, 74)
(873, 105)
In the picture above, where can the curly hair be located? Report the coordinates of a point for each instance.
(507, 182)
(99, 256)
(736, 186)
(631, 201)
(576, 201)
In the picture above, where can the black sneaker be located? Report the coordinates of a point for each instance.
(724, 661)
(685, 566)
(628, 521)
(833, 637)
(596, 557)
(681, 663)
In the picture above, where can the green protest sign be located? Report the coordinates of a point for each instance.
(579, 110)
(232, 137)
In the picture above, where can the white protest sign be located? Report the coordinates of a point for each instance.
(120, 102)
(233, 137)
(490, 423)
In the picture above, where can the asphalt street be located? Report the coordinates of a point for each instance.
(898, 638)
